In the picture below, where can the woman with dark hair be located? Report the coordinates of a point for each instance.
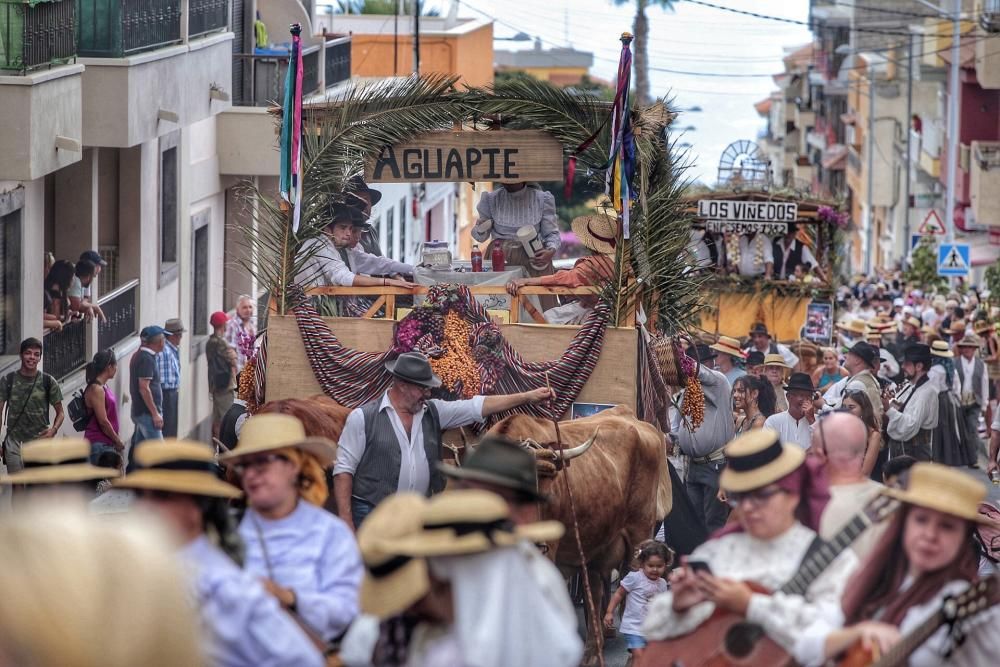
(102, 429)
(56, 285)
(754, 397)
(858, 404)
(926, 554)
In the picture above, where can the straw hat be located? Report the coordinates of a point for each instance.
(804, 346)
(939, 487)
(392, 582)
(968, 341)
(270, 432)
(177, 466)
(775, 360)
(939, 348)
(982, 326)
(912, 321)
(730, 346)
(469, 521)
(853, 326)
(597, 232)
(57, 461)
(928, 329)
(758, 458)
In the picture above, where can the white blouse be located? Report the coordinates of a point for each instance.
(770, 563)
(981, 645)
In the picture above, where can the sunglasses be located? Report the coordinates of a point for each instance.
(257, 463)
(754, 498)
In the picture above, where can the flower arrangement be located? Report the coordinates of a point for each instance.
(830, 215)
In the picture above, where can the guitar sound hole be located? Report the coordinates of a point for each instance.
(741, 638)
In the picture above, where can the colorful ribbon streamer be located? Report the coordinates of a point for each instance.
(290, 180)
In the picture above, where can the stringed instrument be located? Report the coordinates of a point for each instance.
(727, 639)
(954, 609)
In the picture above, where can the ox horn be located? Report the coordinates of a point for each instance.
(573, 452)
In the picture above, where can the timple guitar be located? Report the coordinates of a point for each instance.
(729, 640)
(954, 609)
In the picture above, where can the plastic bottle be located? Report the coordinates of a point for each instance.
(477, 259)
(497, 258)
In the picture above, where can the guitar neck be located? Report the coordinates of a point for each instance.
(820, 559)
(898, 654)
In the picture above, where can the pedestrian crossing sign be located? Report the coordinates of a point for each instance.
(932, 225)
(953, 259)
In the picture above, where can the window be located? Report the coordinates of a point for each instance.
(199, 270)
(10, 282)
(390, 233)
(402, 230)
(169, 166)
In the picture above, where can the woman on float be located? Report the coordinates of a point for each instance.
(306, 556)
(242, 624)
(925, 555)
(778, 496)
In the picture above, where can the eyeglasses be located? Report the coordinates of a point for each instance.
(257, 463)
(753, 498)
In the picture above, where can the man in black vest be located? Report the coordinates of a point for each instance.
(394, 442)
(789, 252)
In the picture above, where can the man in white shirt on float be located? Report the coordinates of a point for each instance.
(796, 423)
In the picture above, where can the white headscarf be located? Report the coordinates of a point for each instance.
(511, 608)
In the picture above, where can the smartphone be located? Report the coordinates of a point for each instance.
(699, 566)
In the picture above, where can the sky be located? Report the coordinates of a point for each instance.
(690, 38)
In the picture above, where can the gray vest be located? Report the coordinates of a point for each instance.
(978, 369)
(377, 474)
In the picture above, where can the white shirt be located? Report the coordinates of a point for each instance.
(791, 430)
(327, 268)
(982, 392)
(749, 265)
(807, 256)
(846, 501)
(414, 471)
(771, 563)
(921, 413)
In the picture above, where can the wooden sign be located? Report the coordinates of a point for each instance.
(504, 156)
(748, 211)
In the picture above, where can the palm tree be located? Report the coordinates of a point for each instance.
(640, 31)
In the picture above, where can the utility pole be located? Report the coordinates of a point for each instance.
(416, 37)
(909, 135)
(870, 212)
(953, 111)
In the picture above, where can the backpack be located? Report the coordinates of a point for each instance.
(78, 411)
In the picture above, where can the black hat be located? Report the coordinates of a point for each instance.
(701, 352)
(93, 256)
(502, 462)
(358, 185)
(414, 368)
(755, 358)
(759, 327)
(341, 212)
(918, 353)
(866, 351)
(800, 381)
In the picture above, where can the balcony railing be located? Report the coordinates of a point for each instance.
(117, 28)
(65, 350)
(121, 308)
(205, 16)
(267, 76)
(337, 61)
(38, 36)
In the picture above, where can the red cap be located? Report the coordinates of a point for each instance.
(218, 318)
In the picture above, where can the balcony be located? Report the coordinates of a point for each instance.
(207, 16)
(804, 117)
(65, 351)
(36, 36)
(984, 181)
(121, 308)
(118, 28)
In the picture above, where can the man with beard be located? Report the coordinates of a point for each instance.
(913, 415)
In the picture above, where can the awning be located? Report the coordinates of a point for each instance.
(835, 157)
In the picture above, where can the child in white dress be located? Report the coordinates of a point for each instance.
(638, 588)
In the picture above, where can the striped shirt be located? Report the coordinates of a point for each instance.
(168, 362)
(510, 211)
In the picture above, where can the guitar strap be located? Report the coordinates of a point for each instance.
(814, 546)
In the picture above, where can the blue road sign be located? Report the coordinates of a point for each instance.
(953, 260)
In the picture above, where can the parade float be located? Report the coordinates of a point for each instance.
(428, 128)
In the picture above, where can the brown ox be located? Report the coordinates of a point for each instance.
(621, 487)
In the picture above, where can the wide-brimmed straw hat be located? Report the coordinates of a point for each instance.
(57, 461)
(597, 232)
(912, 321)
(392, 581)
(469, 521)
(758, 458)
(804, 347)
(939, 487)
(415, 368)
(775, 360)
(177, 466)
(968, 341)
(982, 326)
(853, 326)
(730, 346)
(939, 348)
(269, 432)
(501, 462)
